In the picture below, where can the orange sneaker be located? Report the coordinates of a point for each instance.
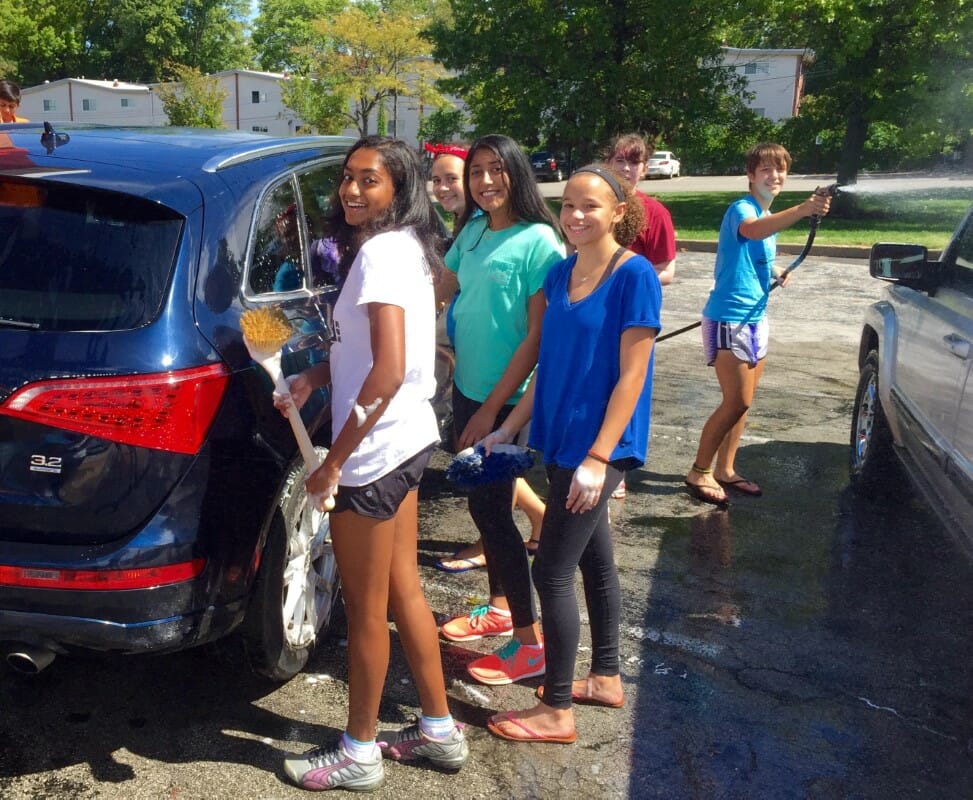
(512, 662)
(482, 621)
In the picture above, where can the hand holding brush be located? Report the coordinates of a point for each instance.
(490, 460)
(265, 330)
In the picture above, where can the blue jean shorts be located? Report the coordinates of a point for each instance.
(746, 340)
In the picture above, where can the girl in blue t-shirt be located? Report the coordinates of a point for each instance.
(735, 330)
(590, 402)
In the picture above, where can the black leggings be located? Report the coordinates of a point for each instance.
(491, 507)
(568, 541)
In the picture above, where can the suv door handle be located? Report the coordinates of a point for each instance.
(957, 345)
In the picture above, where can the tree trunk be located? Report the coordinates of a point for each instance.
(856, 129)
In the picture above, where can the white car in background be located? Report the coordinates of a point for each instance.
(663, 164)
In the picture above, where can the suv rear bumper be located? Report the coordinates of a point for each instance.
(61, 633)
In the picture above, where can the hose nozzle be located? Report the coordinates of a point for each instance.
(831, 190)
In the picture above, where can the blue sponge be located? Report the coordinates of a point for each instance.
(473, 467)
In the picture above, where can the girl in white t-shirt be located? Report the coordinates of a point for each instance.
(381, 372)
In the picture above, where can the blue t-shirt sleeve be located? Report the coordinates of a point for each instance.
(642, 296)
(738, 213)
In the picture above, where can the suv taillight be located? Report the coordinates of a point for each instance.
(103, 579)
(163, 411)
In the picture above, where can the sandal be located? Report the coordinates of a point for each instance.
(524, 733)
(742, 485)
(454, 564)
(707, 494)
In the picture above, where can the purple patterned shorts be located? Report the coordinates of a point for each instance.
(746, 340)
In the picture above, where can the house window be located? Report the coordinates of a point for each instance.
(259, 129)
(89, 104)
(128, 102)
(50, 105)
(757, 68)
(258, 97)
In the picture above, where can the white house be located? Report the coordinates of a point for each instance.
(775, 78)
(106, 102)
(253, 102)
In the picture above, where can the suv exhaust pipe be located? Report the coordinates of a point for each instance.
(29, 660)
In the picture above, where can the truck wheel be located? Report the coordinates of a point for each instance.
(297, 588)
(872, 463)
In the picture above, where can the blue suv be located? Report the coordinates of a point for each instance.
(151, 497)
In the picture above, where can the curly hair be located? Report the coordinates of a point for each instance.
(632, 222)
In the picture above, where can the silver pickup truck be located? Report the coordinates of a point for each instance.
(914, 404)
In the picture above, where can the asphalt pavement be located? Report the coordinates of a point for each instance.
(806, 645)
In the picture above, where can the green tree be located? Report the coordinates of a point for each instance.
(367, 55)
(883, 66)
(574, 76)
(41, 40)
(445, 124)
(196, 101)
(283, 35)
(319, 100)
(126, 39)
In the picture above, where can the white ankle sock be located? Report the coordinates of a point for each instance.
(437, 727)
(359, 751)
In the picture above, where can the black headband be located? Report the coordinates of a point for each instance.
(608, 178)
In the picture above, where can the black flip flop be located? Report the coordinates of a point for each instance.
(737, 486)
(699, 492)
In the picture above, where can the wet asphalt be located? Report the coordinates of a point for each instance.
(806, 644)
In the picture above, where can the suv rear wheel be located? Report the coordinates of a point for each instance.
(872, 459)
(297, 590)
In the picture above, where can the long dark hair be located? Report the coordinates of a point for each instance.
(410, 206)
(526, 200)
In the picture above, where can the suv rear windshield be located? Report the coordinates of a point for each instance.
(74, 258)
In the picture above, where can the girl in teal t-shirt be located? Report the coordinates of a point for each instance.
(500, 260)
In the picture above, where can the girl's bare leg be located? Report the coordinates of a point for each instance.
(363, 548)
(413, 617)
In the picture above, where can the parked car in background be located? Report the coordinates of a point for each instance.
(151, 497)
(914, 404)
(663, 164)
(547, 167)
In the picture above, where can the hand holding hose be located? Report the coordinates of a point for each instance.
(820, 202)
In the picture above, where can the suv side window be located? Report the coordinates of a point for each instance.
(959, 273)
(277, 262)
(290, 251)
(318, 188)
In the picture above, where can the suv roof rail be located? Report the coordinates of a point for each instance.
(337, 143)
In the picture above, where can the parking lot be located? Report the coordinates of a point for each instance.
(805, 644)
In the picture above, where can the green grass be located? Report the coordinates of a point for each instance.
(890, 217)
